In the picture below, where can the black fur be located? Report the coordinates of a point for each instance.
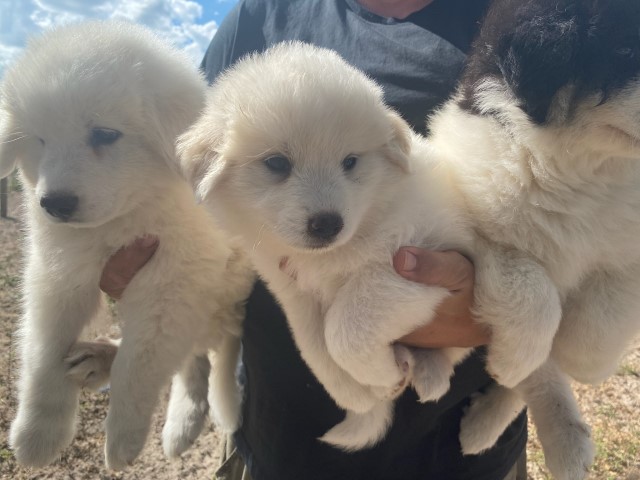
(539, 46)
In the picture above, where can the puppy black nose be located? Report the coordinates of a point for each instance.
(59, 205)
(325, 225)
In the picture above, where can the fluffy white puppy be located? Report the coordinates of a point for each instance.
(323, 183)
(312, 172)
(543, 142)
(89, 114)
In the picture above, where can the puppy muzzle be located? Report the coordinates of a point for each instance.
(61, 206)
(325, 226)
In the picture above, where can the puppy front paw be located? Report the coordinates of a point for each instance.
(509, 363)
(431, 374)
(126, 436)
(37, 439)
(570, 457)
(377, 369)
(361, 430)
(89, 363)
(487, 417)
(405, 363)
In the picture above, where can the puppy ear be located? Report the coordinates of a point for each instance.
(200, 162)
(173, 107)
(398, 148)
(11, 142)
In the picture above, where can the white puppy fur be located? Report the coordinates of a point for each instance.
(566, 195)
(89, 114)
(545, 155)
(323, 183)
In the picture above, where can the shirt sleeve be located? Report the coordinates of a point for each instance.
(240, 33)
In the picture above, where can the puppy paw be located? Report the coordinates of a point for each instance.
(89, 363)
(405, 362)
(37, 439)
(570, 457)
(486, 418)
(361, 430)
(431, 374)
(368, 366)
(383, 371)
(509, 376)
(125, 439)
(184, 423)
(511, 364)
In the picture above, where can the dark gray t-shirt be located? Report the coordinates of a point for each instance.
(417, 62)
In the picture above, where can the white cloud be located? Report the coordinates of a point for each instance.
(177, 20)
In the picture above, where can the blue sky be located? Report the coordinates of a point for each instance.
(189, 24)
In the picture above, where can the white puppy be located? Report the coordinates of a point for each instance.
(89, 114)
(543, 142)
(312, 171)
(323, 183)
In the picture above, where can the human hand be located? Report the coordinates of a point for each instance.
(125, 263)
(453, 325)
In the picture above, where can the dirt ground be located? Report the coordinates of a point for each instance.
(611, 409)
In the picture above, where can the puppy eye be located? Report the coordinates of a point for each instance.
(278, 164)
(349, 163)
(100, 137)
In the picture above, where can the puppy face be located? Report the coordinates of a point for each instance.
(305, 159)
(77, 157)
(87, 125)
(312, 187)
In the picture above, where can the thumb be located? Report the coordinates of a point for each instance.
(448, 269)
(125, 263)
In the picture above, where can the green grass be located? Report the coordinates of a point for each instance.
(5, 454)
(14, 183)
(616, 455)
(628, 370)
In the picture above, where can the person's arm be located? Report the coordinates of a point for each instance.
(454, 325)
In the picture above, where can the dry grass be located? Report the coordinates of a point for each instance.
(610, 408)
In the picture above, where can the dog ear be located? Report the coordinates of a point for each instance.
(172, 107)
(11, 142)
(200, 162)
(539, 56)
(398, 148)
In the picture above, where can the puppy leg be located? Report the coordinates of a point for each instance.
(188, 406)
(153, 344)
(366, 422)
(307, 325)
(565, 438)
(599, 322)
(515, 297)
(47, 398)
(370, 312)
(433, 370)
(89, 363)
(361, 430)
(225, 394)
(487, 418)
